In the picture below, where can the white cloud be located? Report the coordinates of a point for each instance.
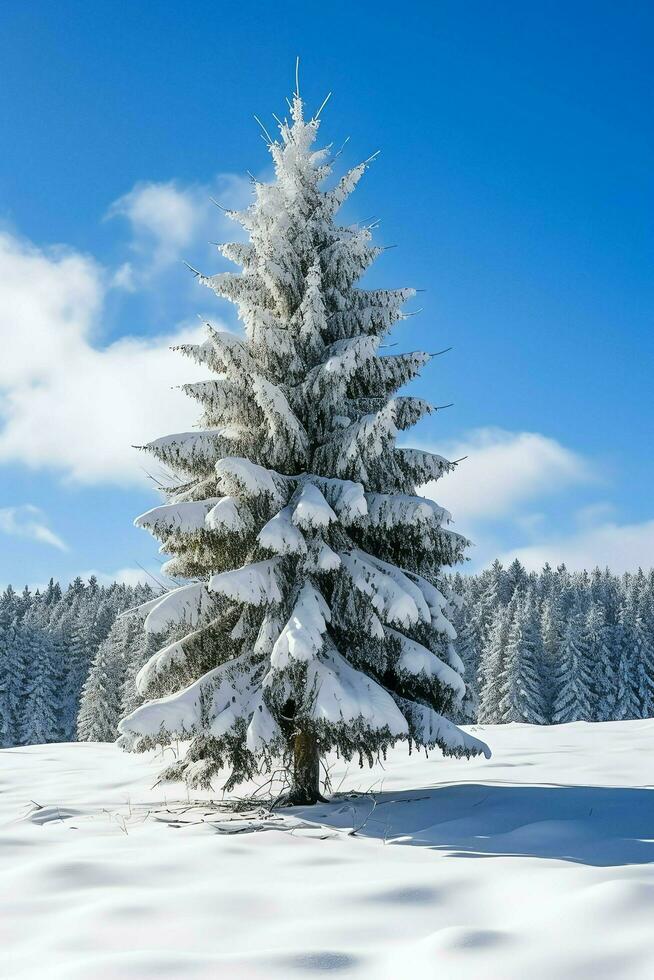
(167, 220)
(623, 547)
(504, 471)
(49, 299)
(66, 403)
(128, 576)
(492, 496)
(596, 513)
(164, 217)
(27, 521)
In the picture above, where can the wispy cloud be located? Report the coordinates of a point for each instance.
(67, 402)
(168, 220)
(130, 576)
(27, 521)
(504, 496)
(504, 471)
(621, 547)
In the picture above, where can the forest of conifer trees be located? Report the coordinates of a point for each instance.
(49, 641)
(544, 648)
(557, 646)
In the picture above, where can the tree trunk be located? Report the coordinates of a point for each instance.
(305, 788)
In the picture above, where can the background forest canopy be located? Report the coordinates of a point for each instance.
(541, 648)
(50, 641)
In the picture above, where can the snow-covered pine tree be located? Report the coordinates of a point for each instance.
(139, 648)
(597, 639)
(626, 700)
(39, 721)
(523, 696)
(516, 578)
(12, 668)
(551, 631)
(100, 703)
(574, 697)
(493, 592)
(109, 691)
(643, 657)
(468, 648)
(492, 673)
(75, 630)
(642, 643)
(313, 620)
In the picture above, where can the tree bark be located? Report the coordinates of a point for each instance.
(305, 788)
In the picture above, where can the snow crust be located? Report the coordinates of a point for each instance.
(225, 515)
(312, 512)
(281, 535)
(188, 604)
(539, 864)
(187, 516)
(392, 594)
(347, 695)
(255, 584)
(237, 474)
(417, 659)
(301, 638)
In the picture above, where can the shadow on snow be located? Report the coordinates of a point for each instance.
(602, 826)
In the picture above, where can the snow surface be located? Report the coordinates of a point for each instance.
(186, 604)
(538, 863)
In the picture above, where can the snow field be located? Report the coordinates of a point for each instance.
(537, 863)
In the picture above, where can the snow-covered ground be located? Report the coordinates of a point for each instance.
(536, 864)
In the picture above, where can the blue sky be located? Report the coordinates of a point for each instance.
(515, 178)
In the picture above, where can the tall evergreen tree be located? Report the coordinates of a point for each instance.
(494, 590)
(626, 702)
(78, 657)
(574, 695)
(468, 648)
(39, 721)
(492, 672)
(12, 667)
(643, 658)
(100, 705)
(313, 619)
(523, 697)
(516, 578)
(110, 692)
(140, 647)
(597, 638)
(551, 630)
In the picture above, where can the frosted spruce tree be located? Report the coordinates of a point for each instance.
(574, 696)
(626, 696)
(468, 647)
(12, 669)
(41, 701)
(644, 667)
(313, 618)
(523, 690)
(109, 692)
(99, 711)
(492, 667)
(604, 682)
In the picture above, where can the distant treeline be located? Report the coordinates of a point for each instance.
(48, 643)
(556, 646)
(542, 648)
